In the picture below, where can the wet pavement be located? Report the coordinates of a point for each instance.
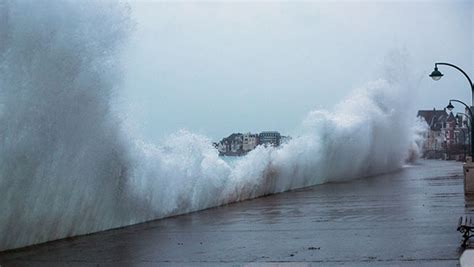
(403, 218)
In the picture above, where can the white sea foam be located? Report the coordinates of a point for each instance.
(67, 166)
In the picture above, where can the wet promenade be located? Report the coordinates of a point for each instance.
(404, 218)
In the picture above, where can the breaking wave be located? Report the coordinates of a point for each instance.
(68, 167)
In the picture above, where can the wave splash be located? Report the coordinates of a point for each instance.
(67, 166)
(369, 133)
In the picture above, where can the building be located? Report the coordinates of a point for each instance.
(446, 135)
(463, 128)
(434, 145)
(238, 144)
(231, 145)
(462, 132)
(449, 130)
(221, 147)
(235, 141)
(250, 141)
(269, 138)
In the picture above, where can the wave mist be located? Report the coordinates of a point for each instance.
(62, 163)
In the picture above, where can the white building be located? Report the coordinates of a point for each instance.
(269, 138)
(222, 147)
(236, 143)
(249, 142)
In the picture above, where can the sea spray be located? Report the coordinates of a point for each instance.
(368, 133)
(69, 166)
(62, 162)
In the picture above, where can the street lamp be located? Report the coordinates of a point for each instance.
(436, 75)
(451, 107)
(469, 164)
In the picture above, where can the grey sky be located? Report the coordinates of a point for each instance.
(217, 68)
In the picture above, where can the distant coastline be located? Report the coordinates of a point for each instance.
(238, 144)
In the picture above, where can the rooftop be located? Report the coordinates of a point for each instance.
(434, 118)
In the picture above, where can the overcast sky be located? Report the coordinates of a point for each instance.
(215, 68)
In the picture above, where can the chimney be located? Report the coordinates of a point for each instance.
(434, 109)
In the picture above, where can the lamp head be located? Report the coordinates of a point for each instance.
(450, 106)
(436, 74)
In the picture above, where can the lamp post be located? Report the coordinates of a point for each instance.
(436, 75)
(468, 166)
(451, 107)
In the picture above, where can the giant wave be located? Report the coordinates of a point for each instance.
(68, 166)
